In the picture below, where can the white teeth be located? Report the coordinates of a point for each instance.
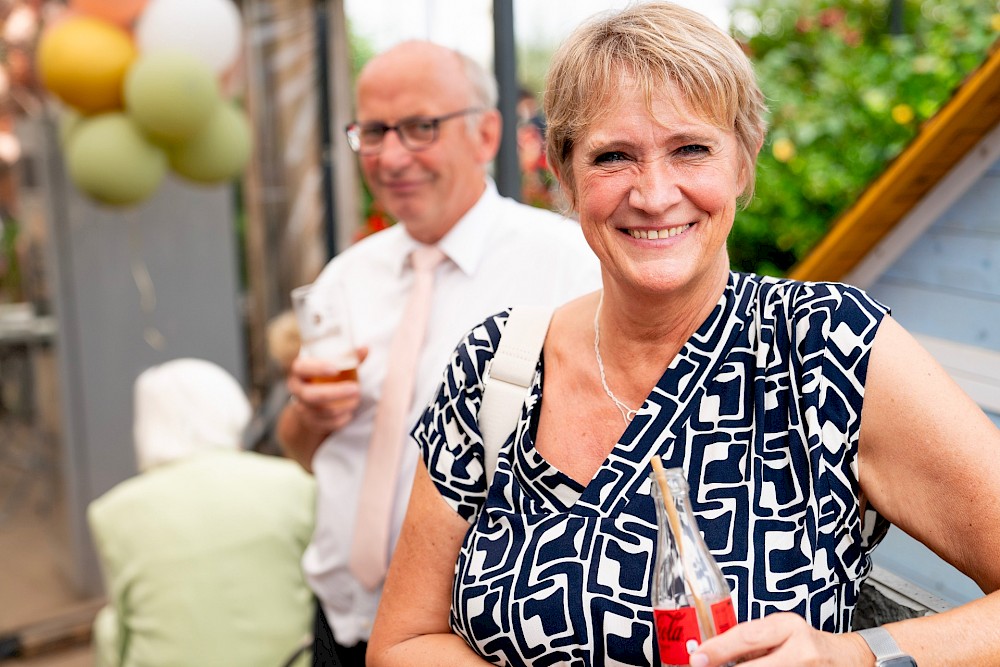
(661, 234)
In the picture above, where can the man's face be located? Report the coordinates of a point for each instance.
(428, 190)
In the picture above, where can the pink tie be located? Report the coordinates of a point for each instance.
(370, 550)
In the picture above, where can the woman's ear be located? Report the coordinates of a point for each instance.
(565, 188)
(747, 170)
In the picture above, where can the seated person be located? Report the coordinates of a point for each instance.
(201, 551)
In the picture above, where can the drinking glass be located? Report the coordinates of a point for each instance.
(325, 327)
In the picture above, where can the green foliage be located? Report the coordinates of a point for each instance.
(361, 48)
(10, 270)
(532, 64)
(373, 217)
(845, 97)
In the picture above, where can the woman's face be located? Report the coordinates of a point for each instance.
(656, 194)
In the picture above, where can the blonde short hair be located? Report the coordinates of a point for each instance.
(651, 44)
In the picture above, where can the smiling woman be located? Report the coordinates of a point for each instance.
(781, 402)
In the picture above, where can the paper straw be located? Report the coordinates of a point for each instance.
(675, 525)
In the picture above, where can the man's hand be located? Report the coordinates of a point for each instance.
(322, 406)
(316, 408)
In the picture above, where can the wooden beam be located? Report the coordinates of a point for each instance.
(942, 142)
(72, 627)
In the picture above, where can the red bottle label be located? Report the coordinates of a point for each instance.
(676, 629)
(677, 632)
(723, 615)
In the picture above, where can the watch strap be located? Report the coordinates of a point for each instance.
(882, 645)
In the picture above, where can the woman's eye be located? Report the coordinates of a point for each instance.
(610, 157)
(693, 149)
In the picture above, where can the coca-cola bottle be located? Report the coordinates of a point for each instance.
(691, 600)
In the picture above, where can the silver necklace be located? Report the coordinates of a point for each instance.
(627, 412)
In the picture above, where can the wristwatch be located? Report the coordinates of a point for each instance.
(887, 652)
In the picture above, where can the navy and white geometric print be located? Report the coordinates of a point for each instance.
(762, 409)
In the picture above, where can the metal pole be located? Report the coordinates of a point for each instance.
(326, 139)
(896, 17)
(508, 171)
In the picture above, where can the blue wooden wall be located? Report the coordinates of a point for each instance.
(947, 285)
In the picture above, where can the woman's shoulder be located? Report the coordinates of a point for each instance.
(486, 335)
(800, 297)
(468, 369)
(476, 348)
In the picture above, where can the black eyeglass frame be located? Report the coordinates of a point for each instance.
(354, 130)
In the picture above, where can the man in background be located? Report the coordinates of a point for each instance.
(427, 128)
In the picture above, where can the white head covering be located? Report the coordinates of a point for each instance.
(186, 406)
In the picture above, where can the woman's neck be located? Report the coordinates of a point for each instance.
(636, 323)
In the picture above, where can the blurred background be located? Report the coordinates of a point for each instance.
(881, 168)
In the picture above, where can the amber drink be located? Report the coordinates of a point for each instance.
(346, 375)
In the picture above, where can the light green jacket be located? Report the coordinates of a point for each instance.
(201, 560)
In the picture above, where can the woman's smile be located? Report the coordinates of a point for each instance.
(657, 234)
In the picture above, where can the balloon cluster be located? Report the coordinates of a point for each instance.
(142, 80)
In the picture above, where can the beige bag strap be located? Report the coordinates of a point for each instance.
(508, 379)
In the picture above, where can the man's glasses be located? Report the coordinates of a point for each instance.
(416, 134)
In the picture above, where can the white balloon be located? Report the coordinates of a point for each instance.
(208, 29)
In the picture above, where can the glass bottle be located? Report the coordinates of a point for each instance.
(691, 599)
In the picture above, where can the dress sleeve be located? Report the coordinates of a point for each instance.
(836, 327)
(448, 433)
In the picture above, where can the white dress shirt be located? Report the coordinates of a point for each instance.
(500, 254)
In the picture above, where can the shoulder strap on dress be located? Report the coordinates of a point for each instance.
(510, 375)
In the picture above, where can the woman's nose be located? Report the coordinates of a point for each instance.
(656, 188)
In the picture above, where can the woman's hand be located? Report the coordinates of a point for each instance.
(782, 640)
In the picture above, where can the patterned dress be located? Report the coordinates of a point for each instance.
(762, 407)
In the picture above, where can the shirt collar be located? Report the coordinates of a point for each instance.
(466, 242)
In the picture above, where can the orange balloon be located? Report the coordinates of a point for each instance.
(56, 14)
(83, 61)
(119, 12)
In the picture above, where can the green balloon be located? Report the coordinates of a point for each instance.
(111, 160)
(218, 152)
(171, 94)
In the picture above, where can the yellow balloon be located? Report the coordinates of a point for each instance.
(83, 61)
